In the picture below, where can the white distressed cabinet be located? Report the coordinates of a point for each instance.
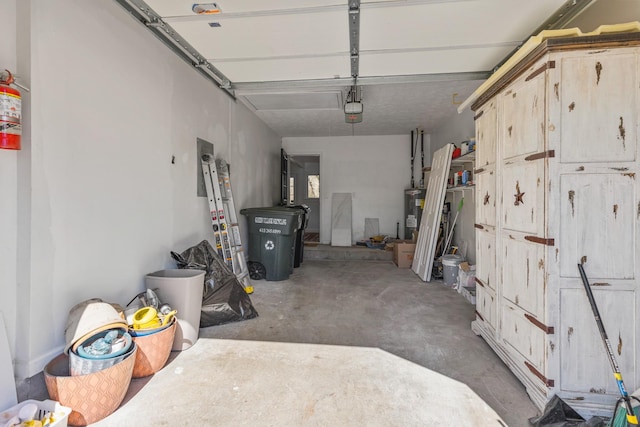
(556, 185)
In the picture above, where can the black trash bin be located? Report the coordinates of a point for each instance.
(304, 211)
(299, 251)
(272, 238)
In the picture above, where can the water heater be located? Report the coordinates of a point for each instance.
(413, 204)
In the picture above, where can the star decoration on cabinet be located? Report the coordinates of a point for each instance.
(519, 194)
(486, 198)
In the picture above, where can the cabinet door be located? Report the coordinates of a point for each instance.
(486, 305)
(486, 257)
(523, 200)
(582, 349)
(598, 216)
(521, 334)
(486, 198)
(598, 105)
(486, 134)
(522, 111)
(523, 274)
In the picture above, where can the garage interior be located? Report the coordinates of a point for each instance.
(106, 186)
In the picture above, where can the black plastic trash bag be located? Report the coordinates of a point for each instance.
(557, 413)
(224, 300)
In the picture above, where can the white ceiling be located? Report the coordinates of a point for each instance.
(289, 60)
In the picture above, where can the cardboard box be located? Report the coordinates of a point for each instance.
(403, 254)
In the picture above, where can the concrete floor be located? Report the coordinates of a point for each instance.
(353, 303)
(258, 383)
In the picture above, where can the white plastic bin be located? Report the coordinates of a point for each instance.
(60, 413)
(450, 265)
(466, 279)
(182, 290)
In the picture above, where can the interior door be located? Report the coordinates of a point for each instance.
(429, 224)
(284, 177)
(304, 173)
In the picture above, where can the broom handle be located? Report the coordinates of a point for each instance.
(450, 235)
(631, 417)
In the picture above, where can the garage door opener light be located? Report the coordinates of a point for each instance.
(206, 8)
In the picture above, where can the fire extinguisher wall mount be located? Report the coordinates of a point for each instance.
(10, 113)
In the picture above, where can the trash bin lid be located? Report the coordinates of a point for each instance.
(275, 210)
(451, 260)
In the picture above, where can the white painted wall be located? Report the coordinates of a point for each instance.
(375, 169)
(101, 203)
(457, 128)
(420, 149)
(8, 189)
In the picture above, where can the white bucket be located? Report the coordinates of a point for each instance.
(182, 290)
(450, 265)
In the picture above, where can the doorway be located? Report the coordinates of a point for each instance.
(304, 188)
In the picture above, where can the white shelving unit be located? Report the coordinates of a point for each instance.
(464, 236)
(464, 162)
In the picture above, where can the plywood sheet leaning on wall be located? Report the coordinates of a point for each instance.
(429, 223)
(341, 219)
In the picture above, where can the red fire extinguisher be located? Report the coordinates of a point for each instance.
(10, 114)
